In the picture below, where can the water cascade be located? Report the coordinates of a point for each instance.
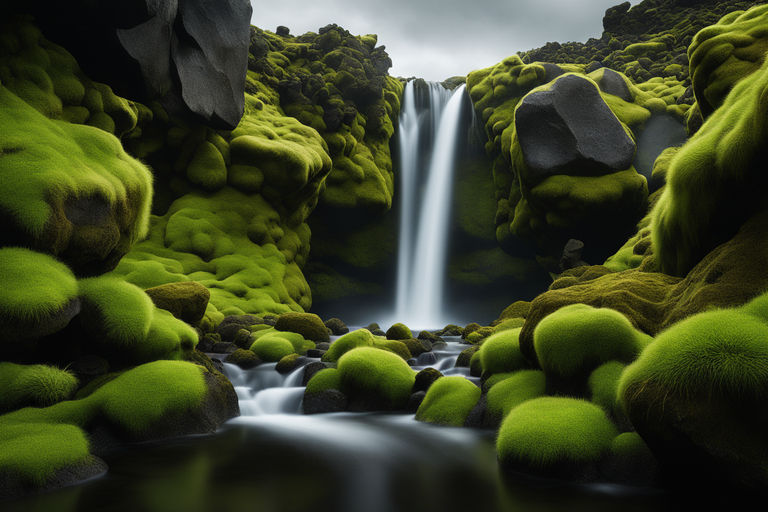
(428, 137)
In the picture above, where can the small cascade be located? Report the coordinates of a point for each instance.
(428, 137)
(262, 390)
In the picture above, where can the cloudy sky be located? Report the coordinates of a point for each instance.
(436, 39)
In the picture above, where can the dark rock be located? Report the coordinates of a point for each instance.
(283, 31)
(569, 129)
(245, 359)
(12, 330)
(231, 325)
(613, 83)
(186, 300)
(417, 347)
(315, 353)
(425, 378)
(224, 347)
(190, 55)
(463, 360)
(207, 341)
(414, 401)
(270, 319)
(614, 15)
(378, 332)
(593, 66)
(308, 325)
(290, 362)
(89, 366)
(571, 257)
(323, 346)
(12, 485)
(412, 361)
(553, 71)
(426, 335)
(426, 359)
(327, 400)
(373, 327)
(311, 369)
(336, 326)
(477, 414)
(243, 339)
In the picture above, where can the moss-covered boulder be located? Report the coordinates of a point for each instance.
(399, 331)
(448, 401)
(513, 390)
(309, 325)
(186, 300)
(555, 437)
(375, 379)
(34, 385)
(323, 393)
(500, 353)
(574, 340)
(40, 297)
(354, 339)
(701, 378)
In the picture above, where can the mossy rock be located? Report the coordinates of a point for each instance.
(40, 297)
(375, 379)
(309, 325)
(603, 384)
(501, 353)
(272, 348)
(34, 385)
(399, 331)
(574, 340)
(245, 359)
(186, 300)
(700, 378)
(513, 390)
(555, 437)
(354, 339)
(323, 393)
(448, 401)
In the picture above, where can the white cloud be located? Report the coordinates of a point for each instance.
(436, 39)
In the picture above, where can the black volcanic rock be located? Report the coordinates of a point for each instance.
(192, 56)
(612, 83)
(569, 129)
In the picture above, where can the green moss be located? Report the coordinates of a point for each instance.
(552, 435)
(35, 451)
(577, 338)
(448, 401)
(512, 391)
(272, 348)
(395, 346)
(347, 342)
(713, 182)
(46, 163)
(500, 353)
(603, 386)
(309, 325)
(399, 331)
(35, 286)
(34, 385)
(724, 53)
(720, 354)
(376, 378)
(207, 168)
(330, 378)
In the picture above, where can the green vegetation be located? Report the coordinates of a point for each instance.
(554, 436)
(449, 401)
(34, 385)
(375, 378)
(330, 378)
(272, 348)
(500, 353)
(512, 391)
(309, 325)
(574, 340)
(399, 331)
(354, 339)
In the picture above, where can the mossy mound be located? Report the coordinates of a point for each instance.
(399, 331)
(354, 339)
(724, 53)
(713, 182)
(69, 189)
(34, 386)
(309, 325)
(500, 353)
(603, 386)
(40, 297)
(701, 378)
(512, 391)
(272, 348)
(186, 300)
(559, 437)
(448, 401)
(375, 379)
(574, 340)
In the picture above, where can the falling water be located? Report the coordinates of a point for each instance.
(422, 253)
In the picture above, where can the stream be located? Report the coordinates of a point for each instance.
(274, 458)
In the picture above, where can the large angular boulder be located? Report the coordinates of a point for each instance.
(569, 129)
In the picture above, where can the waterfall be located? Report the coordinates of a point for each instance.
(427, 141)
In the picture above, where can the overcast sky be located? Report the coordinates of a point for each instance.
(437, 39)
